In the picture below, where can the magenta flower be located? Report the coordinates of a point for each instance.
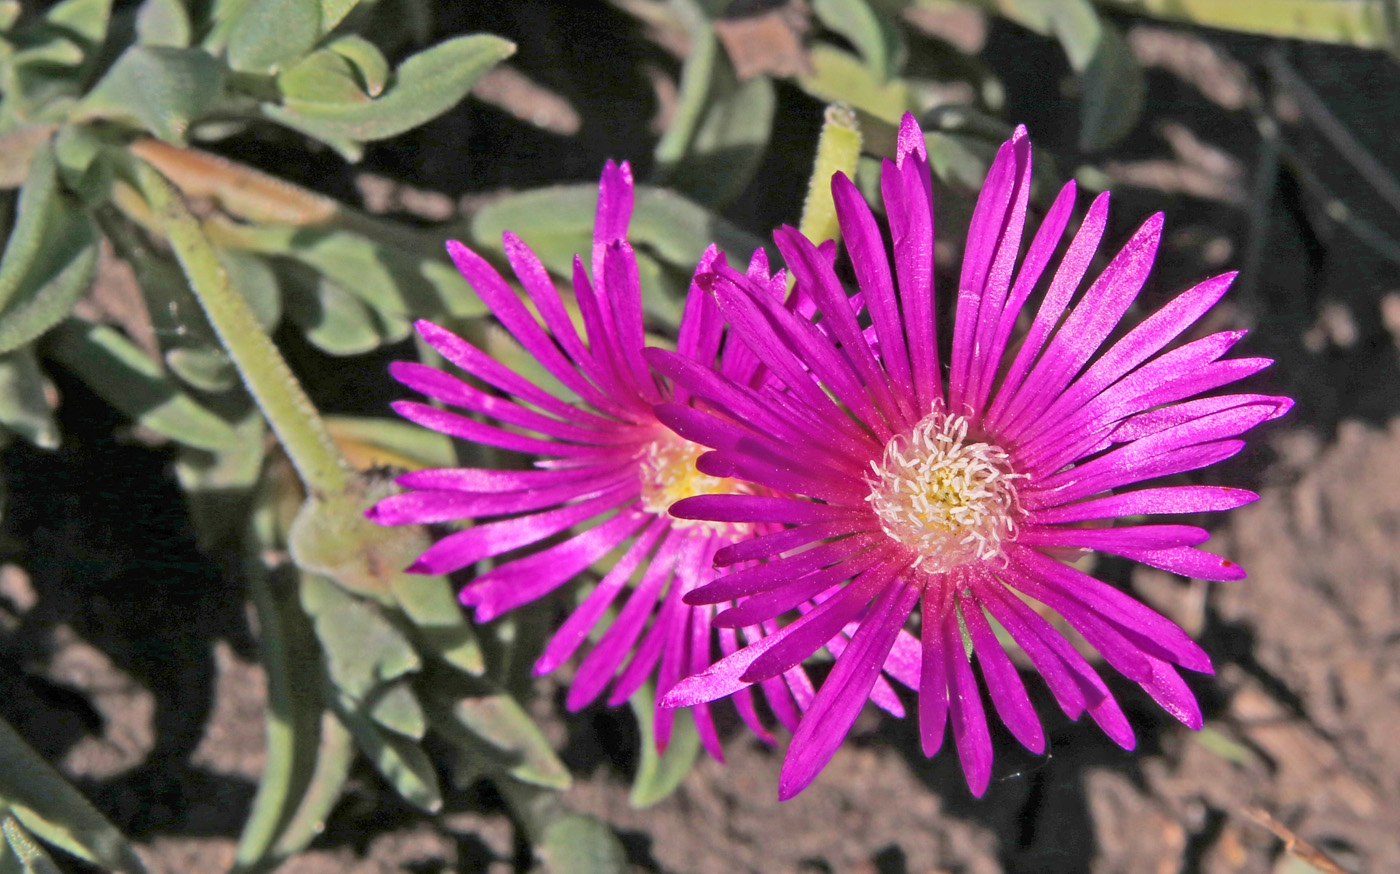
(959, 496)
(605, 472)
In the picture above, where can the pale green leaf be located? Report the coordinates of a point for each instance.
(290, 657)
(659, 774)
(323, 76)
(163, 23)
(158, 88)
(49, 258)
(839, 77)
(86, 18)
(872, 35)
(368, 60)
(579, 844)
(425, 86)
(363, 648)
(399, 760)
(271, 34)
(396, 708)
(334, 320)
(126, 377)
(486, 722)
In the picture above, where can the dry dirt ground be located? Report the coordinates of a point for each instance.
(128, 660)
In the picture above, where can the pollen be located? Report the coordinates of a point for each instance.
(668, 474)
(949, 500)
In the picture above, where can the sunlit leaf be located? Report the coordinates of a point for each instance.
(163, 23)
(290, 657)
(323, 76)
(872, 35)
(49, 258)
(272, 33)
(363, 648)
(86, 18)
(157, 88)
(396, 708)
(399, 760)
(839, 77)
(658, 775)
(394, 281)
(486, 722)
(579, 844)
(334, 320)
(368, 60)
(425, 86)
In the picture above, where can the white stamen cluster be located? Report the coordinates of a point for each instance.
(667, 469)
(950, 501)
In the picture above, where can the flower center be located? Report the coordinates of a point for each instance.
(949, 500)
(668, 473)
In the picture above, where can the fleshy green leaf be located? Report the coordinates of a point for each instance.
(205, 369)
(126, 377)
(323, 76)
(50, 808)
(396, 708)
(399, 760)
(873, 36)
(273, 33)
(369, 62)
(160, 89)
(86, 18)
(576, 843)
(163, 23)
(254, 279)
(334, 11)
(289, 655)
(334, 320)
(557, 222)
(394, 281)
(49, 257)
(23, 407)
(363, 648)
(720, 127)
(333, 759)
(658, 775)
(425, 86)
(491, 726)
(1114, 88)
(840, 77)
(218, 486)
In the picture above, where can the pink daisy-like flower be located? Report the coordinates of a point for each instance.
(958, 495)
(605, 472)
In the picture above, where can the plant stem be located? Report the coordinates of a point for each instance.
(289, 411)
(838, 149)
